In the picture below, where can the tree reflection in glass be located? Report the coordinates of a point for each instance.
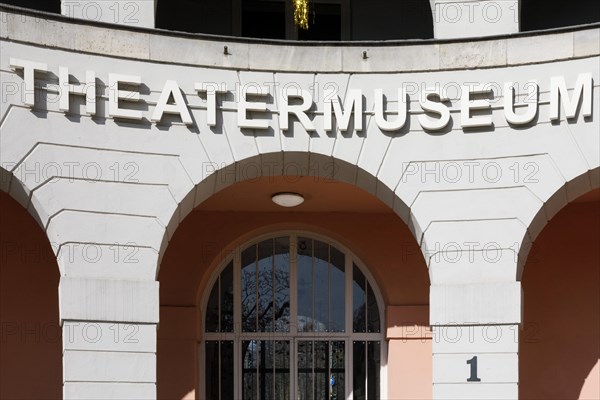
(265, 288)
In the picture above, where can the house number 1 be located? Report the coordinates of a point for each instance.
(473, 363)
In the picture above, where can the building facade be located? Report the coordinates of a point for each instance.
(447, 245)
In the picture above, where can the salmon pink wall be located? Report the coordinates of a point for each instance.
(30, 335)
(560, 345)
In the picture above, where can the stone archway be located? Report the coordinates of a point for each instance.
(243, 210)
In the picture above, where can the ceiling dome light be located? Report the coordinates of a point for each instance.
(287, 199)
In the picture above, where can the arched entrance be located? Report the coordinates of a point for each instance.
(559, 351)
(30, 333)
(335, 215)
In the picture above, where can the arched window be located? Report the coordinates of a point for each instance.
(292, 317)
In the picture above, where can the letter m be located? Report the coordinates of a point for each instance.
(558, 92)
(353, 102)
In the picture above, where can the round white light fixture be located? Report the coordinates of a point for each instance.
(287, 199)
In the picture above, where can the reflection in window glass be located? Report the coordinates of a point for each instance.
(226, 301)
(305, 285)
(359, 373)
(337, 293)
(219, 369)
(358, 300)
(366, 365)
(248, 289)
(281, 277)
(265, 287)
(211, 351)
(321, 369)
(219, 310)
(266, 370)
(321, 287)
(365, 316)
(373, 366)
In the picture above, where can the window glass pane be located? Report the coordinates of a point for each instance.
(305, 359)
(211, 370)
(373, 365)
(321, 376)
(282, 284)
(263, 19)
(372, 311)
(265, 286)
(337, 381)
(249, 386)
(248, 289)
(358, 365)
(226, 370)
(358, 300)
(211, 321)
(305, 285)
(337, 287)
(321, 287)
(325, 23)
(282, 370)
(227, 298)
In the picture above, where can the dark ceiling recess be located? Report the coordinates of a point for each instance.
(52, 6)
(388, 20)
(547, 14)
(195, 16)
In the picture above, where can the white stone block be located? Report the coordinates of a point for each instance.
(105, 197)
(89, 227)
(132, 13)
(199, 52)
(476, 304)
(500, 203)
(491, 368)
(474, 235)
(109, 337)
(473, 54)
(468, 18)
(107, 261)
(473, 266)
(586, 42)
(307, 58)
(104, 366)
(537, 48)
(108, 300)
(476, 391)
(109, 391)
(409, 57)
(453, 339)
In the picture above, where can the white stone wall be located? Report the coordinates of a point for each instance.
(129, 13)
(111, 192)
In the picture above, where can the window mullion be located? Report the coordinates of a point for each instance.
(293, 314)
(329, 324)
(349, 361)
(293, 285)
(256, 292)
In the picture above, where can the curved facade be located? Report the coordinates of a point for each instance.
(438, 163)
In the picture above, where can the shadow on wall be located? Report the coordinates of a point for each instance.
(30, 335)
(559, 348)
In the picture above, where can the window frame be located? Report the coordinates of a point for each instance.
(237, 336)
